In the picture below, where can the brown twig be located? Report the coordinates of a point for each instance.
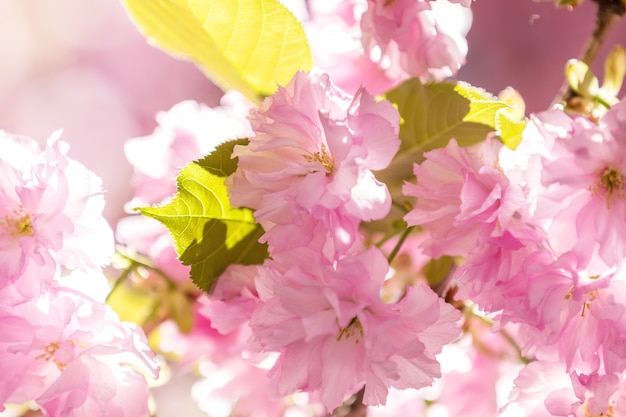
(609, 11)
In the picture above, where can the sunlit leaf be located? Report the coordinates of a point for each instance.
(208, 233)
(248, 45)
(432, 114)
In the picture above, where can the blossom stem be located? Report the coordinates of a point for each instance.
(507, 336)
(135, 261)
(396, 248)
(609, 11)
(139, 260)
(119, 280)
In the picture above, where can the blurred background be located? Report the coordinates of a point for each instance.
(82, 66)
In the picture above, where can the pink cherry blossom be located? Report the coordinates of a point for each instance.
(337, 323)
(72, 355)
(416, 38)
(234, 298)
(312, 155)
(544, 388)
(584, 195)
(463, 197)
(581, 315)
(50, 216)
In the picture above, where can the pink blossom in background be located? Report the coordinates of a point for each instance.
(377, 46)
(72, 356)
(187, 132)
(84, 68)
(50, 216)
(414, 38)
(544, 388)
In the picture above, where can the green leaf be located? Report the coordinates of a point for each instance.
(248, 45)
(208, 233)
(509, 128)
(432, 114)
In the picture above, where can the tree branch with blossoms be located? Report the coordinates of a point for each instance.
(351, 231)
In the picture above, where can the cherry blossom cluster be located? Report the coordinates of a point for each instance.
(307, 173)
(61, 346)
(541, 232)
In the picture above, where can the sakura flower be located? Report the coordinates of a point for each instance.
(582, 316)
(584, 193)
(234, 298)
(463, 197)
(50, 216)
(544, 388)
(312, 155)
(71, 355)
(337, 323)
(415, 38)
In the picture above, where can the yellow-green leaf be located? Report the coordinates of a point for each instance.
(432, 114)
(248, 45)
(209, 234)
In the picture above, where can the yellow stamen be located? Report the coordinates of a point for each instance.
(610, 185)
(354, 328)
(17, 224)
(48, 354)
(324, 158)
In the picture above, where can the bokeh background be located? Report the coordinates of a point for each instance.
(82, 66)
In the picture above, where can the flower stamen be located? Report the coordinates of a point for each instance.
(324, 158)
(49, 351)
(610, 184)
(354, 328)
(18, 224)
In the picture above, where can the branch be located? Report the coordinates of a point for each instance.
(609, 11)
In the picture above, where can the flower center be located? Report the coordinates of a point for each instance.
(17, 224)
(57, 352)
(591, 296)
(354, 328)
(323, 157)
(610, 184)
(609, 412)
